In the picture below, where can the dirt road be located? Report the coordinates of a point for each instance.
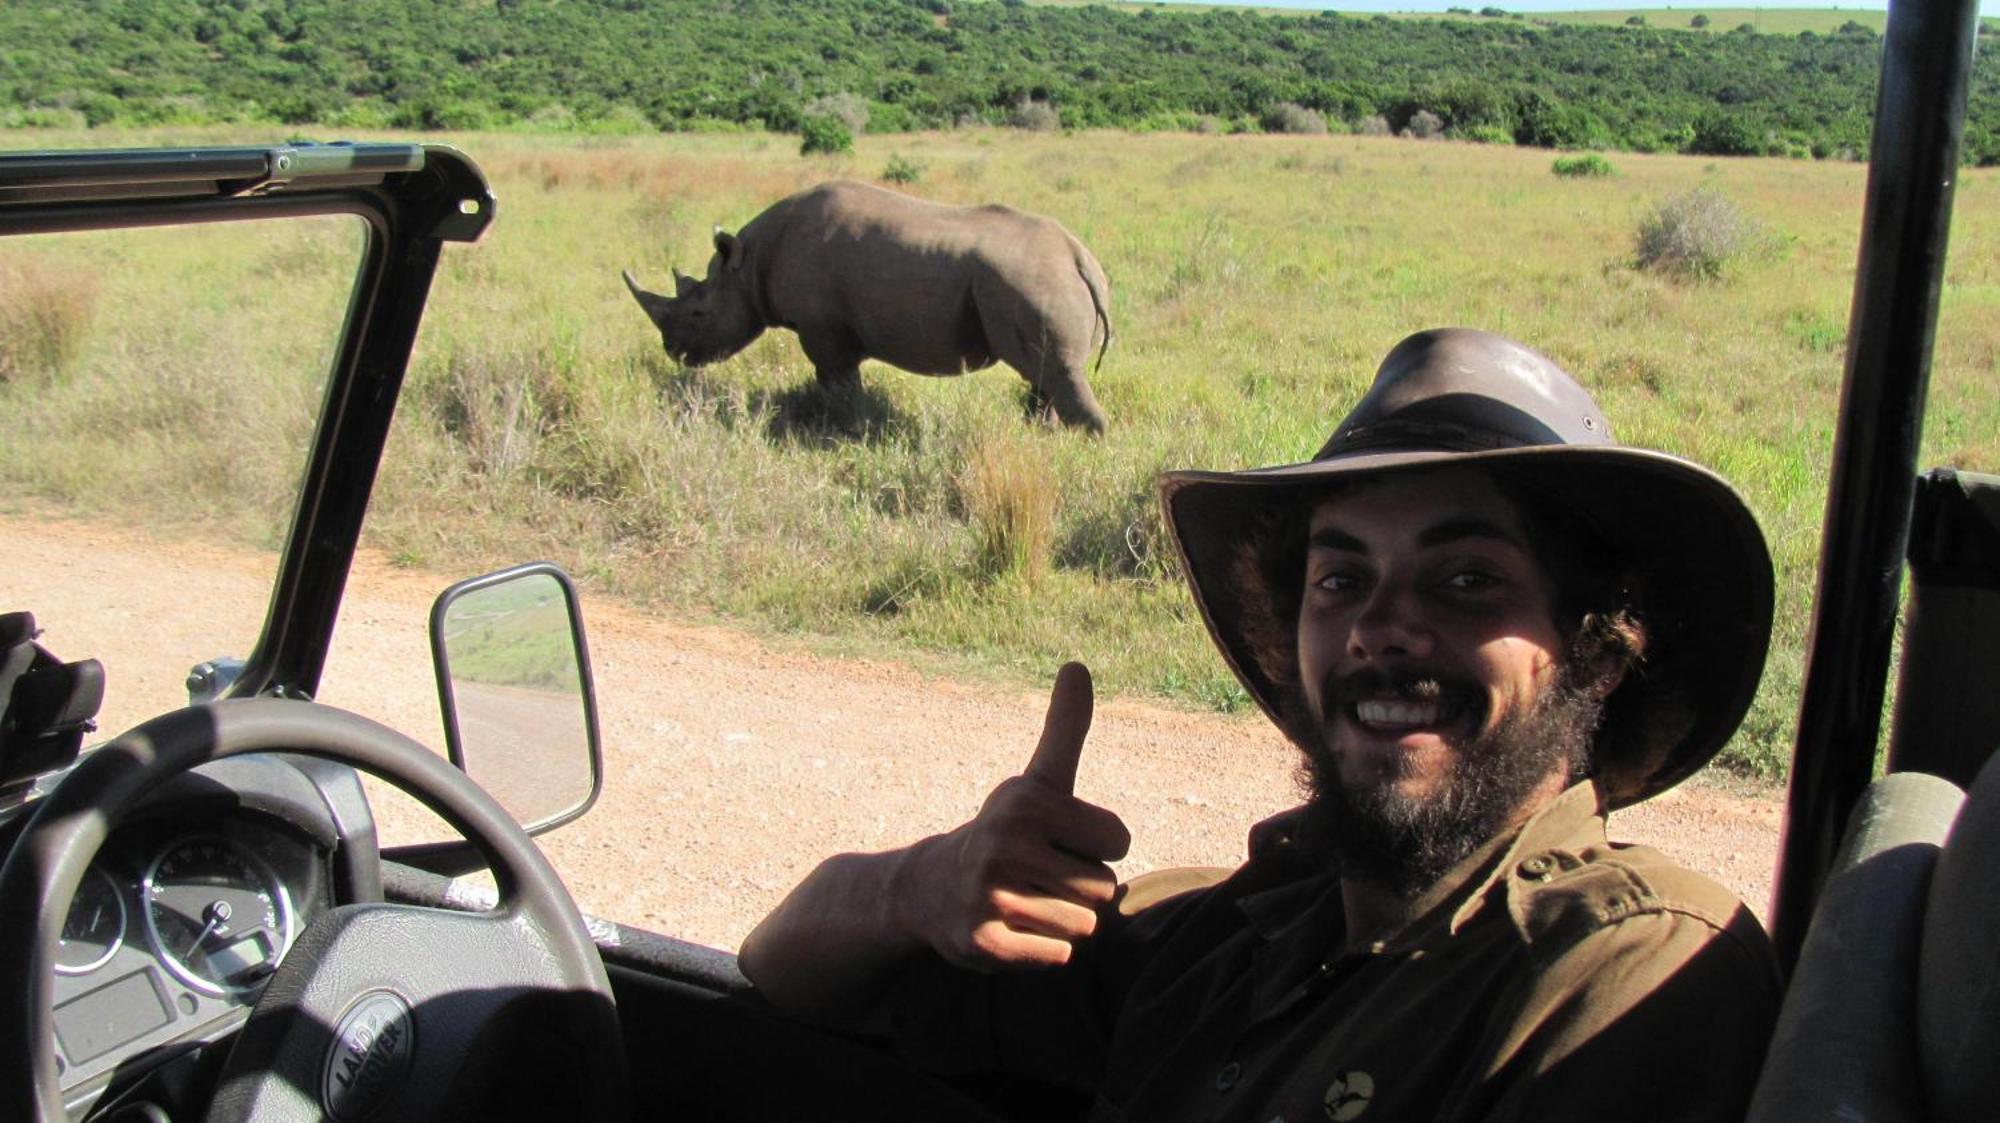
(732, 765)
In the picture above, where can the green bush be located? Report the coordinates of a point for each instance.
(824, 134)
(1481, 134)
(1587, 166)
(902, 169)
(849, 109)
(1723, 133)
(1696, 235)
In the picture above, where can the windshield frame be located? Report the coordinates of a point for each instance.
(411, 199)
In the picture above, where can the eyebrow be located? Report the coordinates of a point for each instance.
(1450, 530)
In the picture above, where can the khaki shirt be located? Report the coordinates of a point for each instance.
(1552, 976)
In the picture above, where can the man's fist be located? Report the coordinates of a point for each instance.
(1021, 883)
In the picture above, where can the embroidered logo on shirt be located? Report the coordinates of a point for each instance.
(1348, 1096)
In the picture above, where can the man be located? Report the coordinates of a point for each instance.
(1484, 624)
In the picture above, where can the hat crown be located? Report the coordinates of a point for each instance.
(1459, 389)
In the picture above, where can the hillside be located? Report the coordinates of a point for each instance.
(639, 65)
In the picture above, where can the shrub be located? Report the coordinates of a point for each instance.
(1696, 234)
(1377, 125)
(1635, 21)
(1481, 134)
(1700, 20)
(1587, 166)
(618, 119)
(844, 107)
(902, 169)
(1010, 496)
(1723, 133)
(45, 313)
(1291, 117)
(1038, 116)
(824, 134)
(1424, 125)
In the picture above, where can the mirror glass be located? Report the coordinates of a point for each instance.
(517, 701)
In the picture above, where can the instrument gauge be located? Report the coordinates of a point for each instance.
(94, 930)
(219, 919)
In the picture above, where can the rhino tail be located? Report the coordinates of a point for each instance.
(1100, 300)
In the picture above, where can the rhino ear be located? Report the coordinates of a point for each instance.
(729, 247)
(683, 284)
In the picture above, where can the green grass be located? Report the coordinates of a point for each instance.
(1256, 280)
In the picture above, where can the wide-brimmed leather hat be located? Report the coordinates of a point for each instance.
(1455, 396)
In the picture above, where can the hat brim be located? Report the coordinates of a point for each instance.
(1705, 569)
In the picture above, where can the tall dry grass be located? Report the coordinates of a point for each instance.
(1256, 280)
(46, 309)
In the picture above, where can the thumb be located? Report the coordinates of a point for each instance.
(1063, 730)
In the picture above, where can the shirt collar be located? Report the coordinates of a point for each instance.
(1572, 821)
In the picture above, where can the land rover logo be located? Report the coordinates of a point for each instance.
(370, 1056)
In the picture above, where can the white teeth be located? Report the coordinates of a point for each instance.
(1397, 713)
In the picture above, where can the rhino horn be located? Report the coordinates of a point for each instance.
(651, 302)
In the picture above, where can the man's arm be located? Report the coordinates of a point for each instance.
(1014, 888)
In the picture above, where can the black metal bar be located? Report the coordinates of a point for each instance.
(408, 228)
(1919, 120)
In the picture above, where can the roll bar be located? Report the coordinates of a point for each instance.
(1913, 165)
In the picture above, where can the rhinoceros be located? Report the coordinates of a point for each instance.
(860, 272)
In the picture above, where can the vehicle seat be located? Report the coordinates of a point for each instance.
(1894, 1009)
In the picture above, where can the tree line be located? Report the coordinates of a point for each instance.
(897, 65)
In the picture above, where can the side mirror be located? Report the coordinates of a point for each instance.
(520, 714)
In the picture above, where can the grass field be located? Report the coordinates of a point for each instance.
(1256, 281)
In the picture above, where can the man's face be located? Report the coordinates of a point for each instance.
(1430, 662)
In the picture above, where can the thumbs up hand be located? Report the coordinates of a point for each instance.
(1020, 884)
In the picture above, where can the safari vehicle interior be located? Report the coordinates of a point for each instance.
(218, 934)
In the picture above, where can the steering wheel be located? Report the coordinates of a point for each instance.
(378, 1010)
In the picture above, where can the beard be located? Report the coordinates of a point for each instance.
(1403, 842)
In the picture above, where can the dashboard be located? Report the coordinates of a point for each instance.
(190, 905)
(177, 925)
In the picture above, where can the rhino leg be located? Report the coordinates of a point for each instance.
(1047, 335)
(836, 361)
(1056, 376)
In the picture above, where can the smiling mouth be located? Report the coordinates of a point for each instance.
(1396, 705)
(1397, 715)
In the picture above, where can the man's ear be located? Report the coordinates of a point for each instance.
(1604, 673)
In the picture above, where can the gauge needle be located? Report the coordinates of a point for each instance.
(217, 913)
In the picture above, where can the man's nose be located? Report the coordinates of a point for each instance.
(1390, 624)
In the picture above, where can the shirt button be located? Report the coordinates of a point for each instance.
(1538, 868)
(1227, 1078)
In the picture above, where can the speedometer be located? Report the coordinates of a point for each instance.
(94, 928)
(218, 918)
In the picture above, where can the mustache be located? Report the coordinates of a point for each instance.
(1338, 691)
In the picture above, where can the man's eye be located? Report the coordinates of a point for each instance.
(1470, 579)
(1340, 582)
